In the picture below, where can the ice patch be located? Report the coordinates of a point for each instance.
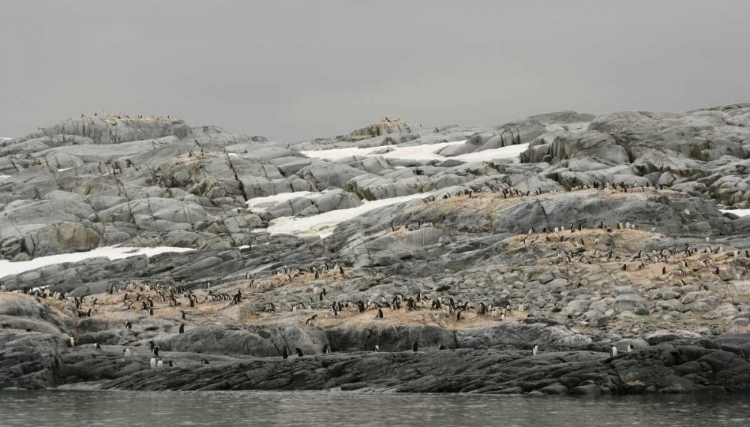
(111, 252)
(263, 203)
(738, 212)
(324, 224)
(419, 152)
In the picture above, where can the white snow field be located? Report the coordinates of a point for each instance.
(324, 224)
(419, 152)
(111, 252)
(738, 212)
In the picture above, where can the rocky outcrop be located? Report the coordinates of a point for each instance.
(668, 368)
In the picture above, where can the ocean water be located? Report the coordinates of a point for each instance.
(162, 409)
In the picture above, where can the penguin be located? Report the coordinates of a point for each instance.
(156, 351)
(126, 353)
(182, 328)
(159, 364)
(630, 348)
(170, 364)
(377, 348)
(414, 346)
(613, 351)
(442, 347)
(153, 363)
(299, 352)
(128, 325)
(535, 350)
(285, 353)
(184, 315)
(98, 346)
(204, 362)
(380, 314)
(72, 342)
(326, 349)
(458, 316)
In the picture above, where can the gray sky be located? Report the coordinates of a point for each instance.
(300, 69)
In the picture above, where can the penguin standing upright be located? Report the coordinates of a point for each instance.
(630, 348)
(535, 350)
(458, 316)
(377, 348)
(182, 328)
(380, 313)
(153, 363)
(299, 352)
(326, 349)
(98, 346)
(159, 364)
(414, 346)
(613, 351)
(156, 351)
(126, 353)
(285, 353)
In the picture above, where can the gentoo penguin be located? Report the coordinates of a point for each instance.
(128, 325)
(613, 351)
(326, 349)
(630, 348)
(442, 347)
(72, 342)
(380, 313)
(414, 346)
(299, 352)
(182, 328)
(204, 362)
(153, 363)
(150, 311)
(159, 364)
(285, 353)
(126, 353)
(98, 346)
(535, 350)
(377, 348)
(184, 316)
(151, 345)
(458, 316)
(156, 351)
(170, 364)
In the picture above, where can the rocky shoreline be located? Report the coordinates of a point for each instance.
(608, 231)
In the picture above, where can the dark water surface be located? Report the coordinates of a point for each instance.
(94, 408)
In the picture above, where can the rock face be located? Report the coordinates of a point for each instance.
(606, 232)
(668, 368)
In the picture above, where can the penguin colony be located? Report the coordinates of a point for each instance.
(569, 244)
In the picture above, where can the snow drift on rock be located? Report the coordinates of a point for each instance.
(7, 268)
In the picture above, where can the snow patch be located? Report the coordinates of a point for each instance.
(112, 252)
(264, 203)
(419, 152)
(738, 212)
(324, 224)
(64, 169)
(4, 176)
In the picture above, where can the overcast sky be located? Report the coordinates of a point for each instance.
(299, 69)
